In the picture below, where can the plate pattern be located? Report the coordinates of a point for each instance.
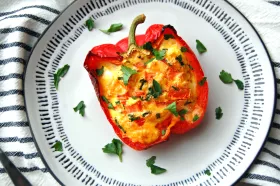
(232, 33)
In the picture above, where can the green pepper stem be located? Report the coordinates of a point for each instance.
(137, 20)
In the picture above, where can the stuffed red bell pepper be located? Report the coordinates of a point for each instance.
(149, 86)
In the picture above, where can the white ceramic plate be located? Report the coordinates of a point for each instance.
(226, 147)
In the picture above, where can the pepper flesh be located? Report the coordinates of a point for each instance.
(136, 121)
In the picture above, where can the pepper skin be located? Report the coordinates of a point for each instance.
(139, 119)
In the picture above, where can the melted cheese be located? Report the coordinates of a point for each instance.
(149, 130)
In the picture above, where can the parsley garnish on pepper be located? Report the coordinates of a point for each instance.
(81, 108)
(59, 74)
(154, 169)
(163, 132)
(58, 146)
(100, 71)
(154, 91)
(180, 60)
(172, 108)
(184, 49)
(113, 28)
(145, 114)
(159, 54)
(114, 148)
(127, 72)
(149, 61)
(195, 118)
(182, 113)
(132, 117)
(148, 46)
(110, 105)
(200, 47)
(157, 115)
(168, 36)
(90, 24)
(175, 88)
(202, 81)
(226, 78)
(219, 113)
(142, 81)
(118, 124)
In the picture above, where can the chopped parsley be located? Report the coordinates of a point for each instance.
(59, 74)
(168, 36)
(175, 88)
(207, 172)
(118, 124)
(148, 46)
(110, 105)
(113, 28)
(184, 49)
(163, 132)
(187, 102)
(200, 47)
(157, 115)
(89, 24)
(118, 102)
(134, 97)
(100, 71)
(202, 81)
(159, 54)
(180, 60)
(172, 108)
(190, 67)
(154, 91)
(226, 78)
(219, 113)
(142, 81)
(154, 169)
(114, 148)
(195, 118)
(149, 61)
(182, 113)
(132, 117)
(145, 114)
(239, 84)
(120, 78)
(151, 161)
(58, 146)
(127, 72)
(81, 108)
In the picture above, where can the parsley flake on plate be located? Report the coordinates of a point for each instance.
(226, 78)
(219, 113)
(114, 148)
(154, 169)
(58, 146)
(200, 47)
(113, 28)
(81, 108)
(90, 24)
(59, 74)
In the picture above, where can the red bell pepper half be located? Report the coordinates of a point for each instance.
(149, 86)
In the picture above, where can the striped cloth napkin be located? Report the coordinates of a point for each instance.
(21, 24)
